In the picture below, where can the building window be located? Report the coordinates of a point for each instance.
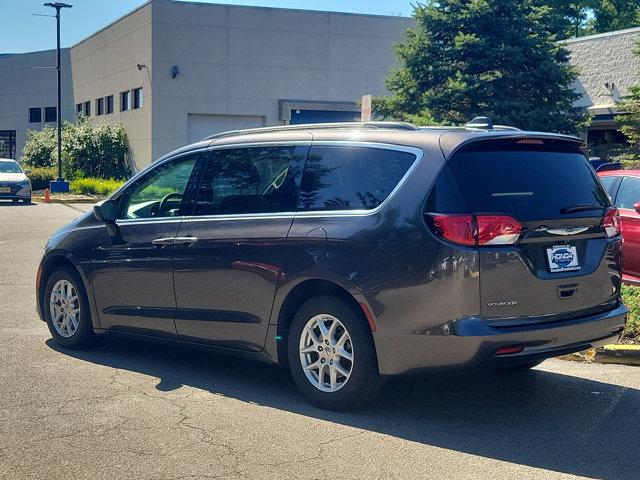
(99, 106)
(7, 144)
(124, 101)
(78, 108)
(35, 115)
(87, 109)
(50, 114)
(109, 101)
(137, 97)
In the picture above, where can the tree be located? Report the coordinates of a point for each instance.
(567, 19)
(88, 149)
(610, 15)
(493, 58)
(629, 122)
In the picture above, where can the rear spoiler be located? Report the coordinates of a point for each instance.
(452, 142)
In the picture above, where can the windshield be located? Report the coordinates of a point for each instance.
(10, 167)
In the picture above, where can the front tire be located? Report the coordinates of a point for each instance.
(66, 310)
(331, 354)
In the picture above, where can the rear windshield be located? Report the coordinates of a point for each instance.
(528, 185)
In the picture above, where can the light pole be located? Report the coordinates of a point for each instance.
(60, 185)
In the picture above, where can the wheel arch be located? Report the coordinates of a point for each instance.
(304, 291)
(51, 263)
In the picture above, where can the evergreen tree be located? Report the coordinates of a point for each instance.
(495, 58)
(610, 15)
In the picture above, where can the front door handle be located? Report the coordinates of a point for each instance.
(161, 242)
(185, 240)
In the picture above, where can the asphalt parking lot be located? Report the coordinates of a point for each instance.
(135, 410)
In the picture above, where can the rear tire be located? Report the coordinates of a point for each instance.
(341, 362)
(66, 309)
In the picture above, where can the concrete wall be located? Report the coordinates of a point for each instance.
(240, 61)
(27, 81)
(601, 59)
(239, 67)
(106, 64)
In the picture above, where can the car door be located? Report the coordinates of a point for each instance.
(227, 257)
(133, 277)
(626, 199)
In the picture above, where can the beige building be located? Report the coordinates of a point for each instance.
(608, 67)
(175, 72)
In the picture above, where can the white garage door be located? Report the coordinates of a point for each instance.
(202, 125)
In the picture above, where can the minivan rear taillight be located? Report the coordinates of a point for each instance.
(456, 228)
(497, 229)
(611, 222)
(477, 230)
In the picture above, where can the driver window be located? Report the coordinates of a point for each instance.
(160, 192)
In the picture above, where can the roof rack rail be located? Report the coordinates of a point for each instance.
(485, 123)
(315, 126)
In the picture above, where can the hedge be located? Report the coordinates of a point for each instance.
(94, 186)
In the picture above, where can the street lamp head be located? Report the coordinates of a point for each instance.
(58, 5)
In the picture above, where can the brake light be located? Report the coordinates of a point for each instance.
(611, 222)
(477, 230)
(497, 230)
(457, 228)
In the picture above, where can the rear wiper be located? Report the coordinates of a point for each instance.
(580, 208)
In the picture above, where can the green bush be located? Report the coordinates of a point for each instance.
(88, 149)
(94, 186)
(631, 298)
(41, 177)
(40, 148)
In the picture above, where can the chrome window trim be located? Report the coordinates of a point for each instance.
(135, 221)
(418, 152)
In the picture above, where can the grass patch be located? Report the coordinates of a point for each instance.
(95, 186)
(631, 298)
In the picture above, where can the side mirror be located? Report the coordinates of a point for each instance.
(637, 207)
(106, 212)
(26, 172)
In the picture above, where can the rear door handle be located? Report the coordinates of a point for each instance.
(185, 240)
(160, 242)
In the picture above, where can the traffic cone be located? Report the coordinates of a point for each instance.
(47, 196)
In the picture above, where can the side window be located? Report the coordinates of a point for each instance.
(350, 178)
(608, 182)
(628, 193)
(247, 180)
(160, 192)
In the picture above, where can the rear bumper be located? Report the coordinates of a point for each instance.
(469, 343)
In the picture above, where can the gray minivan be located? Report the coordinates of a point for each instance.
(349, 253)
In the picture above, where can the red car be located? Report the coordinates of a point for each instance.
(624, 188)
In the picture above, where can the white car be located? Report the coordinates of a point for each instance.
(14, 183)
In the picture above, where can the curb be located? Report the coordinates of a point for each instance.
(612, 354)
(64, 200)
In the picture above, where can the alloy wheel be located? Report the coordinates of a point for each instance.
(64, 307)
(326, 353)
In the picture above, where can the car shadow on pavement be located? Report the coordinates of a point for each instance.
(540, 419)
